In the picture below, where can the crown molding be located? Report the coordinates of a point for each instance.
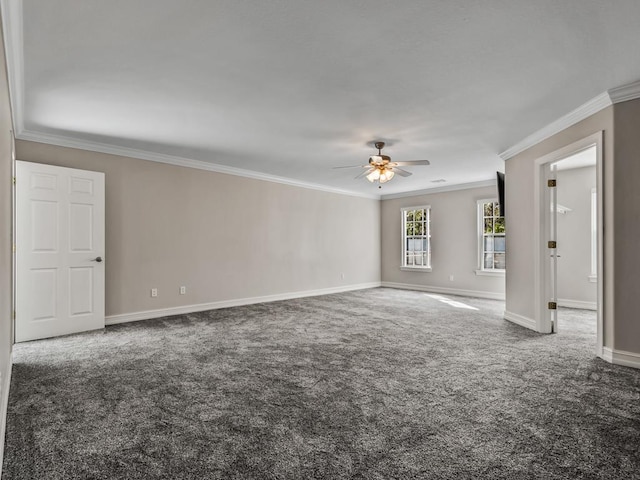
(11, 11)
(604, 100)
(448, 188)
(625, 93)
(584, 111)
(63, 141)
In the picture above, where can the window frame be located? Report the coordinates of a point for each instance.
(481, 270)
(403, 236)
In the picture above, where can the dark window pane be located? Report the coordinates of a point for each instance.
(499, 244)
(488, 209)
(488, 225)
(410, 216)
(499, 260)
(496, 209)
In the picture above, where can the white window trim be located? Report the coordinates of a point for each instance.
(413, 268)
(593, 277)
(493, 272)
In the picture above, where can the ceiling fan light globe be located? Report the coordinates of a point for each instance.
(386, 176)
(373, 176)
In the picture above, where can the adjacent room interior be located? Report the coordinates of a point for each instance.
(319, 240)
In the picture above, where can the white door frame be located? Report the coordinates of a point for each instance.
(541, 221)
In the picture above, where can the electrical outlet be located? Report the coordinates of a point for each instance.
(183, 290)
(154, 292)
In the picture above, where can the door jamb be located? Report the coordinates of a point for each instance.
(542, 217)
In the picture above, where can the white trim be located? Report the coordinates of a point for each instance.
(448, 188)
(607, 354)
(236, 302)
(5, 384)
(12, 25)
(620, 357)
(593, 276)
(403, 231)
(584, 111)
(625, 92)
(490, 273)
(63, 141)
(416, 269)
(521, 320)
(444, 290)
(565, 302)
(612, 96)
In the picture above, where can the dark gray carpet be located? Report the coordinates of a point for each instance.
(375, 384)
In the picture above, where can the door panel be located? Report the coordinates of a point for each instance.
(80, 290)
(59, 235)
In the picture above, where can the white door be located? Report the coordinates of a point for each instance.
(552, 239)
(59, 251)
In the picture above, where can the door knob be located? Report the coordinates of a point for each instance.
(98, 259)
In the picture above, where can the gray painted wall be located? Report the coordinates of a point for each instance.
(454, 247)
(520, 171)
(574, 237)
(627, 226)
(224, 237)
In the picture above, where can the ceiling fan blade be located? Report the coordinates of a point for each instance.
(353, 166)
(413, 162)
(366, 172)
(399, 171)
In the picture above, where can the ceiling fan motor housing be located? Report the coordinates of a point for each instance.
(379, 159)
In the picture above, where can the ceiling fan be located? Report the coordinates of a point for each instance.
(382, 169)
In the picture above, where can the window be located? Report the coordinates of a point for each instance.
(491, 238)
(416, 238)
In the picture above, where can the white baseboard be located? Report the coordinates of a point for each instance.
(521, 320)
(237, 302)
(445, 290)
(620, 357)
(563, 302)
(5, 383)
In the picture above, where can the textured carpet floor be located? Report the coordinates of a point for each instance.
(375, 384)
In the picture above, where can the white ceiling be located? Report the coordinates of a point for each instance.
(584, 158)
(292, 88)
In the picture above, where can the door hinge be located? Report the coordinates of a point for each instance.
(553, 306)
(14, 180)
(552, 244)
(551, 183)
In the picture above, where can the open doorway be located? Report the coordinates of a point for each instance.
(575, 258)
(569, 252)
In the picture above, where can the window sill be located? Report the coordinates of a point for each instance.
(415, 269)
(593, 278)
(490, 273)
